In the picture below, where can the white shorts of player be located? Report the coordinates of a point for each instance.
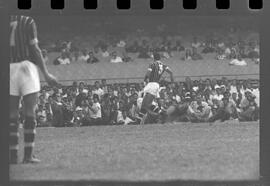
(24, 78)
(152, 88)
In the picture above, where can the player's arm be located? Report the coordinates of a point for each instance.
(147, 75)
(169, 71)
(37, 54)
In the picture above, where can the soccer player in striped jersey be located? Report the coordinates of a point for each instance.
(25, 57)
(151, 90)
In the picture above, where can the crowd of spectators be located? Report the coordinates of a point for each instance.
(141, 45)
(201, 100)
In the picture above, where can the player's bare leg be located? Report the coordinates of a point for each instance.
(146, 105)
(13, 129)
(30, 102)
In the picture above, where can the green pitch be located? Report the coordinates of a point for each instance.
(187, 151)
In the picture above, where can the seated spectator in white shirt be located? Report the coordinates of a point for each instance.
(227, 52)
(95, 110)
(115, 58)
(104, 52)
(123, 119)
(92, 59)
(256, 93)
(84, 57)
(218, 95)
(98, 90)
(238, 61)
(195, 43)
(62, 60)
(233, 87)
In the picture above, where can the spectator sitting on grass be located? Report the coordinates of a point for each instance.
(62, 60)
(92, 59)
(126, 58)
(253, 53)
(84, 57)
(121, 44)
(134, 109)
(85, 120)
(236, 99)
(104, 51)
(133, 48)
(238, 61)
(249, 108)
(104, 86)
(45, 55)
(178, 46)
(227, 110)
(98, 90)
(95, 110)
(221, 51)
(208, 47)
(41, 115)
(49, 113)
(80, 97)
(144, 50)
(195, 54)
(199, 111)
(115, 58)
(57, 108)
(195, 43)
(123, 119)
(188, 54)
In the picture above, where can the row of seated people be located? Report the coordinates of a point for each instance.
(124, 51)
(114, 104)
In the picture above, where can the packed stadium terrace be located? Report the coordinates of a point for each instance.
(204, 100)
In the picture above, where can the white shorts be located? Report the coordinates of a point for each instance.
(152, 88)
(24, 79)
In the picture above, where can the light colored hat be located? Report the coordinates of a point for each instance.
(85, 91)
(217, 86)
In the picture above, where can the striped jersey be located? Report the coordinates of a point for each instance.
(23, 34)
(156, 69)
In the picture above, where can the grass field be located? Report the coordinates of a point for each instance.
(186, 151)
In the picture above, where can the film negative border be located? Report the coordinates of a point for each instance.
(187, 7)
(237, 7)
(154, 4)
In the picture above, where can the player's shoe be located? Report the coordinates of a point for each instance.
(32, 159)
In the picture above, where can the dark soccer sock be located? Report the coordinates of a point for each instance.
(29, 136)
(13, 140)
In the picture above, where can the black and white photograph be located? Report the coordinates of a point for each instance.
(134, 97)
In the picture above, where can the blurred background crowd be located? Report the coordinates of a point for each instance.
(120, 39)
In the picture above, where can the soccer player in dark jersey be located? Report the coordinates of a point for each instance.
(25, 57)
(151, 90)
